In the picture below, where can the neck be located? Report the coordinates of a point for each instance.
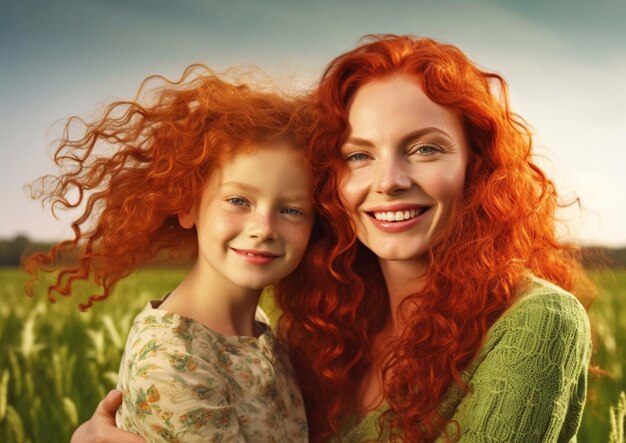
(403, 278)
(215, 302)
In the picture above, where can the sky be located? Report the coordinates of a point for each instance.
(564, 61)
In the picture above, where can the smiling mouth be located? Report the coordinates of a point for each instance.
(397, 216)
(260, 254)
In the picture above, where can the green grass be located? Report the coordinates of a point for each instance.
(608, 323)
(57, 363)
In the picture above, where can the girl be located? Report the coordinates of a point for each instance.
(212, 169)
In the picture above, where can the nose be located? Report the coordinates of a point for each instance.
(261, 226)
(392, 176)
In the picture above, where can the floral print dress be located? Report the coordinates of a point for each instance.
(183, 382)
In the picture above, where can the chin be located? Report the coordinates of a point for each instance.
(401, 253)
(255, 285)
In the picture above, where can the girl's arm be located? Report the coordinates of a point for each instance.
(100, 428)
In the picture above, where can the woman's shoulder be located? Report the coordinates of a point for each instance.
(537, 296)
(529, 376)
(541, 310)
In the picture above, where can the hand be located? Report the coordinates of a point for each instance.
(100, 428)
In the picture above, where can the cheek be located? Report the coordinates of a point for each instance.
(351, 189)
(446, 184)
(298, 235)
(223, 225)
(454, 186)
(457, 182)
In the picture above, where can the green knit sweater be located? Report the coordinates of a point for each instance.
(527, 383)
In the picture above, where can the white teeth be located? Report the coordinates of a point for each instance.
(396, 216)
(250, 254)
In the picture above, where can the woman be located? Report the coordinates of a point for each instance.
(436, 314)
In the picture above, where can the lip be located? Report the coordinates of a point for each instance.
(397, 226)
(255, 256)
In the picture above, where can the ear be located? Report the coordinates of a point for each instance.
(187, 219)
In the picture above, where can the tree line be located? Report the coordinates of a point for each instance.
(11, 250)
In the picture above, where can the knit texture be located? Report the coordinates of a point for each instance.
(527, 383)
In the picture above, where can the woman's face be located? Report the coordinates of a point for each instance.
(406, 158)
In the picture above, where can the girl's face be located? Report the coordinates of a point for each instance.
(406, 158)
(254, 218)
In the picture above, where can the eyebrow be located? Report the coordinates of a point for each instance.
(250, 188)
(243, 186)
(357, 141)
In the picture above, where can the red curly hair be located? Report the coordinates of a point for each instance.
(504, 228)
(145, 161)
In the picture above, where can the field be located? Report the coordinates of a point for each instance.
(56, 363)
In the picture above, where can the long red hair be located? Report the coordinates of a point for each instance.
(143, 162)
(503, 228)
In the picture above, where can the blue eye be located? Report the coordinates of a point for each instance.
(237, 201)
(356, 157)
(292, 211)
(426, 149)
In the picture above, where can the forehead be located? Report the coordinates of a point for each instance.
(275, 167)
(397, 104)
(251, 154)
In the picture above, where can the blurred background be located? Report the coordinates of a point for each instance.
(564, 60)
